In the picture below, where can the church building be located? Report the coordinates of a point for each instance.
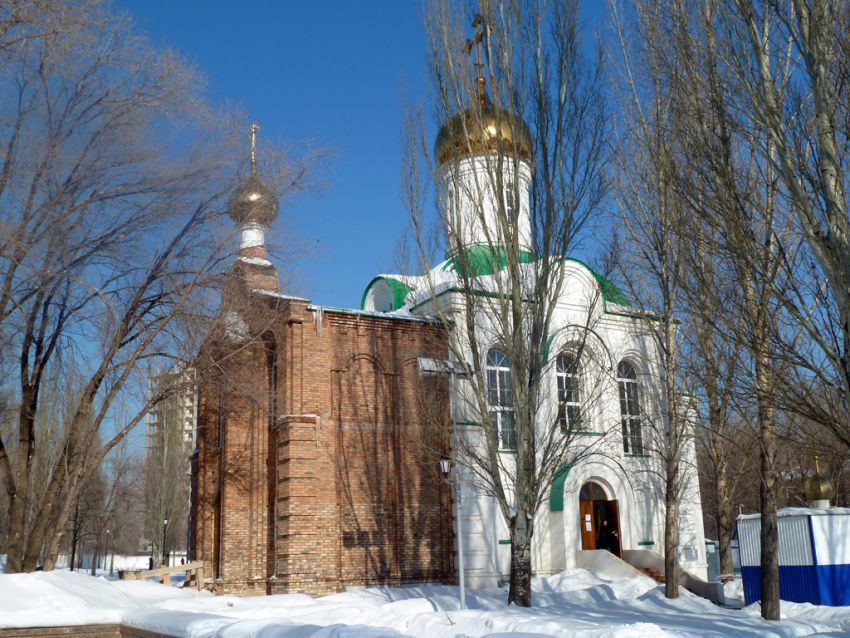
(320, 429)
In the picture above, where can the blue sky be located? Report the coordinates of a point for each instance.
(328, 74)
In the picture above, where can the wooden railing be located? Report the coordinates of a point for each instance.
(194, 574)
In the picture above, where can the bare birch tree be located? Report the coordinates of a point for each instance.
(712, 362)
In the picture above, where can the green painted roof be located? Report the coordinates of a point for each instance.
(399, 289)
(487, 260)
(481, 260)
(610, 292)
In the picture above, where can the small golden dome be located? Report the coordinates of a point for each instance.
(253, 202)
(488, 130)
(819, 488)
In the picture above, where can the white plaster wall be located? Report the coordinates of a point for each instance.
(580, 317)
(634, 481)
(474, 188)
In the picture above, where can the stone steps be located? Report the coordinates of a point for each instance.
(654, 574)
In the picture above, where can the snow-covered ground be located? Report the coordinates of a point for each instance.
(733, 592)
(574, 603)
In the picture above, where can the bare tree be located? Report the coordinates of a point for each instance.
(113, 181)
(734, 191)
(730, 179)
(712, 365)
(656, 254)
(507, 231)
(803, 118)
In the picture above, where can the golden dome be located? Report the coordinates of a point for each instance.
(488, 130)
(253, 203)
(819, 488)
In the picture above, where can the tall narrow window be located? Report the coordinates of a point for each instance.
(510, 201)
(500, 399)
(629, 408)
(451, 213)
(569, 392)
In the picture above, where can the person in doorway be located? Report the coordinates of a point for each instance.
(607, 537)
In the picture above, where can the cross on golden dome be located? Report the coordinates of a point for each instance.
(253, 202)
(482, 128)
(254, 128)
(475, 41)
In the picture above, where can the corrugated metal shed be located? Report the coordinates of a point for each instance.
(814, 555)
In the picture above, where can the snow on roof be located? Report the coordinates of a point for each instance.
(255, 261)
(486, 267)
(277, 295)
(803, 511)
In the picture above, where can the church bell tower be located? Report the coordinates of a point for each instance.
(253, 206)
(484, 177)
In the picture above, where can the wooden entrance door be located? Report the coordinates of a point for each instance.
(613, 515)
(588, 527)
(594, 508)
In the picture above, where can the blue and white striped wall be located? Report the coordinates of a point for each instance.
(814, 555)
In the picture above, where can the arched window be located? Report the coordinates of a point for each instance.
(591, 491)
(500, 399)
(568, 375)
(451, 211)
(629, 408)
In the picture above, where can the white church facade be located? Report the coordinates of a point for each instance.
(603, 382)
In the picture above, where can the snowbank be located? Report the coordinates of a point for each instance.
(577, 603)
(733, 592)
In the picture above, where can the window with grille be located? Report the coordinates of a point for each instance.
(568, 375)
(629, 408)
(500, 399)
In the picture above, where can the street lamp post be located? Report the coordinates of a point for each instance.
(428, 367)
(164, 554)
(451, 479)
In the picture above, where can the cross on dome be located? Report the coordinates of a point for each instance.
(475, 41)
(253, 203)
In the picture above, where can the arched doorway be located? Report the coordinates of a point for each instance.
(600, 519)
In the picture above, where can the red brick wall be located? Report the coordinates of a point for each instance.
(343, 487)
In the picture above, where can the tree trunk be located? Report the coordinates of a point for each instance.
(14, 546)
(39, 531)
(94, 557)
(725, 517)
(74, 533)
(769, 534)
(17, 507)
(520, 586)
(671, 531)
